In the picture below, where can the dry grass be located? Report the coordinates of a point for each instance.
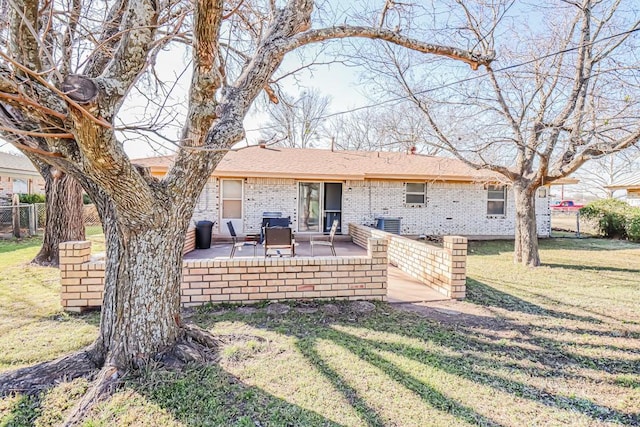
(555, 345)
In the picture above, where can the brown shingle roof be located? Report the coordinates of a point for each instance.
(157, 161)
(279, 162)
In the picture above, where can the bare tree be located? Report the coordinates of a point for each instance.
(297, 122)
(64, 220)
(561, 93)
(383, 128)
(62, 86)
(596, 175)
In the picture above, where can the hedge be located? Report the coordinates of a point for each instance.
(31, 198)
(614, 218)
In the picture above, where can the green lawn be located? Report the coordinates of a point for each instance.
(555, 345)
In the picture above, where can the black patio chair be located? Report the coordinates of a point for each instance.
(273, 222)
(239, 244)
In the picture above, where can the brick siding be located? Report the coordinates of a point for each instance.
(6, 186)
(442, 269)
(451, 209)
(240, 280)
(207, 205)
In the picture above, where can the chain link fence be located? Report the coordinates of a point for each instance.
(571, 224)
(29, 219)
(20, 219)
(40, 212)
(90, 214)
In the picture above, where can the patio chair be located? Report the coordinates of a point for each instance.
(325, 240)
(279, 240)
(273, 222)
(239, 244)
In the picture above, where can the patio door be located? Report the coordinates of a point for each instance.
(231, 195)
(319, 203)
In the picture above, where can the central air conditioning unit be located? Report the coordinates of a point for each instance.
(389, 224)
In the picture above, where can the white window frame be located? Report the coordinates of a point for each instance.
(423, 193)
(503, 199)
(22, 186)
(543, 192)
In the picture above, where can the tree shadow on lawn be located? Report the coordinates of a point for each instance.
(497, 247)
(477, 358)
(366, 412)
(11, 245)
(485, 295)
(210, 395)
(195, 396)
(555, 301)
(591, 243)
(426, 392)
(590, 267)
(474, 369)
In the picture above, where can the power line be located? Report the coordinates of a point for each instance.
(468, 79)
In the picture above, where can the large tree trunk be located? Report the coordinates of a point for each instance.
(141, 308)
(526, 232)
(63, 221)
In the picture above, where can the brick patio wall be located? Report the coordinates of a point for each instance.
(190, 240)
(442, 269)
(240, 280)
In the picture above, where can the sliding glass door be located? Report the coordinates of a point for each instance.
(309, 207)
(319, 204)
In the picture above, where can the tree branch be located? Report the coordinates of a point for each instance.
(343, 31)
(138, 27)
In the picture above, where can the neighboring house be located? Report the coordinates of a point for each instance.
(632, 186)
(431, 195)
(18, 176)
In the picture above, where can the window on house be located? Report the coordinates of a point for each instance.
(496, 200)
(415, 193)
(20, 186)
(542, 192)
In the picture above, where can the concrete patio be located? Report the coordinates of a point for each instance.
(404, 289)
(303, 249)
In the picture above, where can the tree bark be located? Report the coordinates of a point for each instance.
(526, 232)
(63, 221)
(143, 272)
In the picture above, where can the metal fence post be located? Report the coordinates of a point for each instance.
(578, 224)
(32, 219)
(15, 216)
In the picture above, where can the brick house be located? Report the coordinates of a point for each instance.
(431, 195)
(18, 176)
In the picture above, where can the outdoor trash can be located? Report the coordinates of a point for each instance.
(203, 234)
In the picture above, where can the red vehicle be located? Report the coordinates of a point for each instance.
(565, 206)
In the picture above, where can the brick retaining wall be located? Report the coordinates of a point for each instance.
(240, 280)
(442, 269)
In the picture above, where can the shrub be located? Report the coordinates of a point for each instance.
(610, 216)
(633, 224)
(86, 199)
(31, 198)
